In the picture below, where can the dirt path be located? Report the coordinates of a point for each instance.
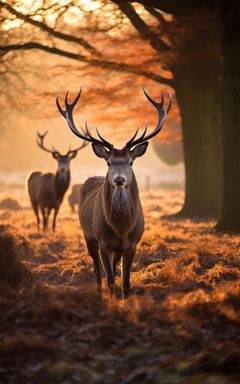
(180, 325)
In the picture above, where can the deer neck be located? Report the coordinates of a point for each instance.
(121, 206)
(61, 184)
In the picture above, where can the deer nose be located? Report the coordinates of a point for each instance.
(119, 181)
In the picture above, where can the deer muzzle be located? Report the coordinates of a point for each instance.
(119, 181)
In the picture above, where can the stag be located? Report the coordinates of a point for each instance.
(46, 190)
(110, 210)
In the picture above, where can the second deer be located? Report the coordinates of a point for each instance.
(47, 190)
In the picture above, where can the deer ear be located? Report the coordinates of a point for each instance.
(100, 151)
(55, 155)
(72, 155)
(139, 150)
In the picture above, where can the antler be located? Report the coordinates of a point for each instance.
(74, 151)
(40, 143)
(68, 115)
(162, 113)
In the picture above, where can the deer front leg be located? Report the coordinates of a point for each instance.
(127, 260)
(93, 250)
(56, 209)
(107, 265)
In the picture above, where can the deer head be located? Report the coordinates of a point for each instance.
(119, 161)
(62, 160)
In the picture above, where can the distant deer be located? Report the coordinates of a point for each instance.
(73, 198)
(46, 190)
(110, 210)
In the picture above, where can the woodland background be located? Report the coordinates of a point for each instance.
(182, 322)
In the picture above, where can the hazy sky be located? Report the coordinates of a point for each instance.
(43, 76)
(20, 155)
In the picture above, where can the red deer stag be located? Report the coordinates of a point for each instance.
(110, 210)
(46, 190)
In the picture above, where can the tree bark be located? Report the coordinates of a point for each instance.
(230, 215)
(198, 99)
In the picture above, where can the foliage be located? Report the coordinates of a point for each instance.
(181, 324)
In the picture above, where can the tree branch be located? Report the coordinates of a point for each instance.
(51, 31)
(168, 6)
(158, 16)
(144, 30)
(105, 64)
(174, 7)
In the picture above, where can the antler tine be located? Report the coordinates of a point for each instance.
(170, 102)
(102, 141)
(63, 113)
(129, 143)
(84, 144)
(55, 150)
(93, 139)
(144, 132)
(42, 135)
(162, 113)
(106, 143)
(88, 132)
(132, 138)
(68, 115)
(40, 142)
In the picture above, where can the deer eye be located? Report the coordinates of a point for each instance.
(109, 163)
(130, 163)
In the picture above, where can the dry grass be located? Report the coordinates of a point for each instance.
(180, 326)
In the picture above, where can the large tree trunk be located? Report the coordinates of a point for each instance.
(193, 59)
(230, 216)
(198, 99)
(196, 74)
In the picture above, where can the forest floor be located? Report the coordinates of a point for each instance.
(181, 324)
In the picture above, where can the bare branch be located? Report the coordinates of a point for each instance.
(105, 64)
(174, 7)
(158, 16)
(144, 30)
(168, 6)
(51, 31)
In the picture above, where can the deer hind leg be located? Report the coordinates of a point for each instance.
(93, 249)
(36, 211)
(56, 209)
(107, 264)
(127, 260)
(47, 213)
(43, 210)
(116, 258)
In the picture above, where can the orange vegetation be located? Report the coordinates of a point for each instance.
(180, 325)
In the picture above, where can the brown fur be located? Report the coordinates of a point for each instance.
(46, 191)
(73, 198)
(112, 222)
(110, 210)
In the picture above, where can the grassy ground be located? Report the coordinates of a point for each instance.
(180, 325)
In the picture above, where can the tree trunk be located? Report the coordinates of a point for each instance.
(230, 215)
(201, 125)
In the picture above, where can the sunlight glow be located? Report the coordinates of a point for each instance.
(72, 13)
(72, 16)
